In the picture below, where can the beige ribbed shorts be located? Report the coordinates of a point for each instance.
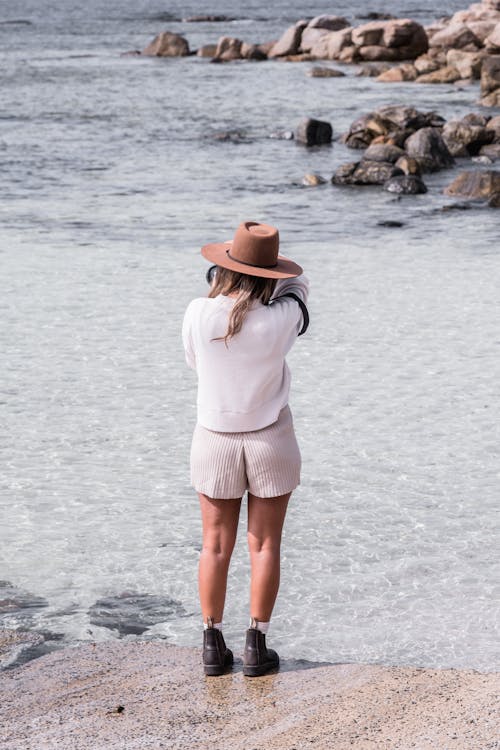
(265, 462)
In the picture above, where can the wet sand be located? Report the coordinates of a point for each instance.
(151, 695)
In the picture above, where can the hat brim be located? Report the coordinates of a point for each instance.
(217, 252)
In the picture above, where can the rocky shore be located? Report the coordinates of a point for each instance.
(140, 696)
(460, 48)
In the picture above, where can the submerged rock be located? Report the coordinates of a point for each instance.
(130, 613)
(18, 604)
(318, 72)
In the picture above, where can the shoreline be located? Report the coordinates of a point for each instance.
(151, 695)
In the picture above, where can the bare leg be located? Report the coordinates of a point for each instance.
(265, 523)
(220, 524)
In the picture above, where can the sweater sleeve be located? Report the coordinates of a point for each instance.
(187, 339)
(299, 286)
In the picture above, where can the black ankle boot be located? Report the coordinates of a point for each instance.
(257, 658)
(216, 657)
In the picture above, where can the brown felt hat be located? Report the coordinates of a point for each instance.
(254, 251)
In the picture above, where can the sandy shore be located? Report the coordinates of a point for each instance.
(150, 695)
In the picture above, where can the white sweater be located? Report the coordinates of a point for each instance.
(243, 386)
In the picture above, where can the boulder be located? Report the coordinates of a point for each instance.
(455, 36)
(491, 151)
(493, 4)
(494, 124)
(492, 41)
(374, 53)
(313, 180)
(266, 47)
(365, 173)
(464, 139)
(349, 55)
(331, 23)
(312, 132)
(405, 117)
(228, 49)
(318, 72)
(403, 72)
(494, 201)
(481, 29)
(311, 37)
(252, 52)
(429, 149)
(405, 185)
(406, 35)
(426, 64)
(383, 152)
(336, 42)
(408, 165)
(474, 118)
(368, 34)
(468, 64)
(289, 42)
(207, 50)
(363, 130)
(448, 74)
(476, 185)
(167, 44)
(490, 81)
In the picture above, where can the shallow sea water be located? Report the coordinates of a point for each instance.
(112, 181)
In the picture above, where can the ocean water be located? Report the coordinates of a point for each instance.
(113, 175)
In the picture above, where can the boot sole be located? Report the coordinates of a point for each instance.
(215, 671)
(260, 670)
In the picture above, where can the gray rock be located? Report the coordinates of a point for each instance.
(365, 173)
(429, 149)
(407, 184)
(383, 152)
(319, 72)
(312, 132)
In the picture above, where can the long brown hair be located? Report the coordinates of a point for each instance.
(249, 288)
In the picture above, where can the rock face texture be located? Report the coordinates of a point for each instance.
(475, 185)
(167, 44)
(312, 132)
(490, 81)
(143, 696)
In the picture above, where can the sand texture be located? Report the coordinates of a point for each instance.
(151, 695)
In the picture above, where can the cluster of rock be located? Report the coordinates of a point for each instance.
(463, 47)
(401, 143)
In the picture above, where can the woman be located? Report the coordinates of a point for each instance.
(237, 339)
